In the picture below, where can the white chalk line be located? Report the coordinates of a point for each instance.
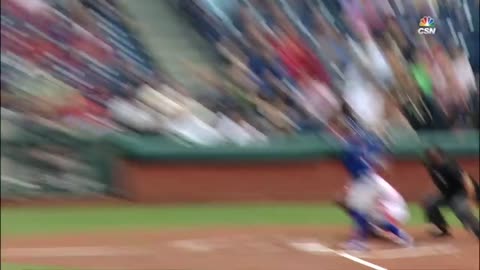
(315, 247)
(359, 261)
(87, 251)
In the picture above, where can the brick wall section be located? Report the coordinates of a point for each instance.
(239, 182)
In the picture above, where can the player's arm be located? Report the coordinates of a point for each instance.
(468, 184)
(457, 173)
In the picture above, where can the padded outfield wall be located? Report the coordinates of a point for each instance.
(152, 169)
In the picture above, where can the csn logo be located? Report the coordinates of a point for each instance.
(427, 26)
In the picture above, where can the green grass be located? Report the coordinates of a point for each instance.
(41, 221)
(55, 220)
(7, 266)
(21, 221)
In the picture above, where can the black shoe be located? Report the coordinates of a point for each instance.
(440, 233)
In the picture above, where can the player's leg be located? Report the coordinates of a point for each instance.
(461, 208)
(431, 206)
(391, 212)
(391, 218)
(373, 230)
(360, 199)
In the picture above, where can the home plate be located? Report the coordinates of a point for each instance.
(310, 247)
(192, 245)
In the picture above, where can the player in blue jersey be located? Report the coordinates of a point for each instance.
(361, 157)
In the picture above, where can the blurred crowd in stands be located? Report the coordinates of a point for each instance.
(287, 67)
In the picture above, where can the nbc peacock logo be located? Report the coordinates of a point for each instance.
(427, 21)
(427, 26)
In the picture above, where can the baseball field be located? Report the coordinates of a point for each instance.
(212, 237)
(238, 232)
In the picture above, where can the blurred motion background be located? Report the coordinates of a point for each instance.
(216, 72)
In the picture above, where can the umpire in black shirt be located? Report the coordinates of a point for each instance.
(456, 191)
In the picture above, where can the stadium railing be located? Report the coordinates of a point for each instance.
(295, 148)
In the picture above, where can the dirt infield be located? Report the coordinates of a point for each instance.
(260, 248)
(260, 181)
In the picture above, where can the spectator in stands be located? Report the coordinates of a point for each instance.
(372, 59)
(6, 96)
(423, 70)
(333, 44)
(242, 18)
(367, 101)
(275, 82)
(403, 85)
(319, 100)
(402, 41)
(420, 72)
(173, 116)
(244, 94)
(381, 60)
(263, 65)
(253, 30)
(463, 88)
(395, 121)
(124, 110)
(463, 73)
(276, 112)
(233, 126)
(80, 113)
(472, 36)
(451, 97)
(352, 14)
(375, 13)
(294, 53)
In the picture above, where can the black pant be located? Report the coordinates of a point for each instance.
(460, 207)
